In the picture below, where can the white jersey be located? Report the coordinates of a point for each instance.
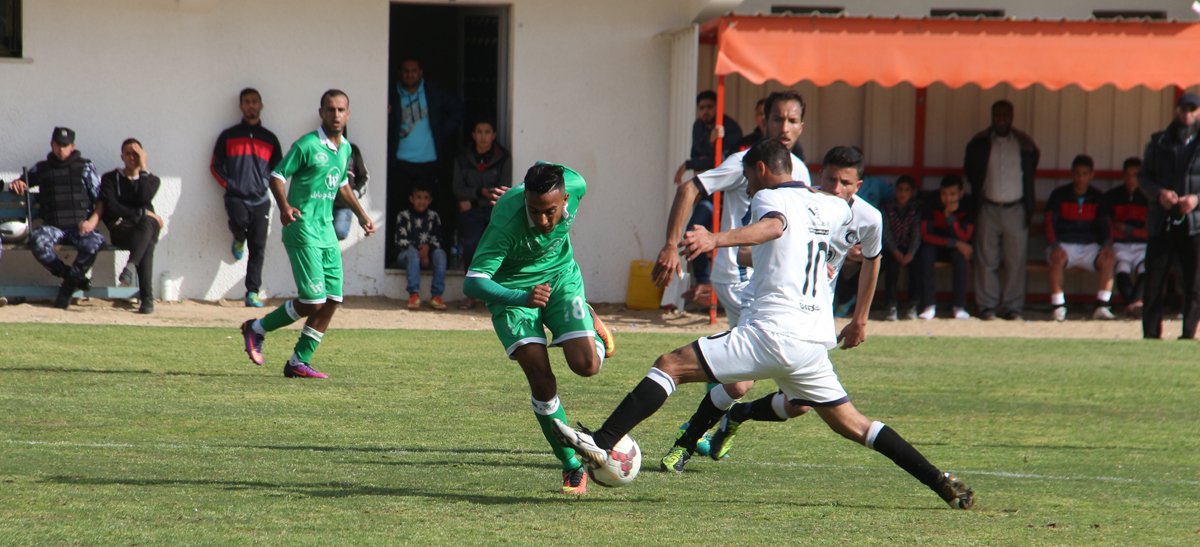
(790, 286)
(728, 178)
(866, 227)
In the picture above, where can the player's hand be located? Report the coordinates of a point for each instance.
(852, 335)
(288, 214)
(464, 206)
(666, 267)
(1168, 199)
(718, 132)
(698, 241)
(18, 187)
(423, 252)
(368, 226)
(679, 173)
(539, 296)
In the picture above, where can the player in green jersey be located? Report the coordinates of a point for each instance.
(526, 273)
(316, 165)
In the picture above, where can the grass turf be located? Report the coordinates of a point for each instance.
(126, 435)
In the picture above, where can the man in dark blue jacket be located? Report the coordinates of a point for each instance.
(426, 119)
(1170, 178)
(242, 162)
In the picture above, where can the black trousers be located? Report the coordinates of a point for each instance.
(928, 255)
(470, 230)
(139, 239)
(1173, 243)
(249, 224)
(891, 276)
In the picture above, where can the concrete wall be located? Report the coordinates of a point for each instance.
(589, 89)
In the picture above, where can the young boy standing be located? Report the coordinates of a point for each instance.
(418, 238)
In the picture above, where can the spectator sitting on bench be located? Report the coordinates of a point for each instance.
(128, 196)
(1127, 206)
(946, 232)
(69, 207)
(1078, 236)
(418, 237)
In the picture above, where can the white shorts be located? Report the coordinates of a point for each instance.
(1131, 257)
(800, 368)
(1079, 255)
(731, 297)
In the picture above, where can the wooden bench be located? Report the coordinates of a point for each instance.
(14, 207)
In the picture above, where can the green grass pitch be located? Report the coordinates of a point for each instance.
(118, 435)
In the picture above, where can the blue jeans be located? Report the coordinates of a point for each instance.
(412, 268)
(343, 218)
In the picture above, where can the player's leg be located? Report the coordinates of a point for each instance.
(1056, 259)
(254, 331)
(1104, 263)
(520, 331)
(239, 224)
(716, 402)
(847, 421)
(574, 326)
(327, 267)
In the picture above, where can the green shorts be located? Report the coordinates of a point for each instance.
(566, 315)
(318, 273)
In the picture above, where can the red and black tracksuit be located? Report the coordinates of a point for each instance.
(1127, 221)
(940, 232)
(242, 162)
(1072, 218)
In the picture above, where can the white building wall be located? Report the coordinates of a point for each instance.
(590, 88)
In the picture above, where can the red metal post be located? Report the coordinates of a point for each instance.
(919, 139)
(716, 223)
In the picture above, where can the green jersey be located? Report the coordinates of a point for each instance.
(514, 253)
(317, 169)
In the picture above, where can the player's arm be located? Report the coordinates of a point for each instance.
(348, 196)
(770, 227)
(855, 332)
(287, 213)
(489, 256)
(667, 266)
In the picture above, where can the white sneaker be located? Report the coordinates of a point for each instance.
(1103, 313)
(1059, 313)
(928, 313)
(911, 313)
(960, 313)
(583, 443)
(892, 315)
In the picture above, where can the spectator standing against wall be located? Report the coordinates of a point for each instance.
(69, 206)
(901, 240)
(1170, 178)
(1078, 236)
(482, 173)
(242, 162)
(128, 197)
(1127, 207)
(1000, 164)
(426, 119)
(946, 232)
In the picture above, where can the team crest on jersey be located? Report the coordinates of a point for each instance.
(852, 237)
(333, 178)
(322, 157)
(316, 286)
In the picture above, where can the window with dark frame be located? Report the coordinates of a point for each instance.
(967, 13)
(1153, 15)
(779, 9)
(10, 28)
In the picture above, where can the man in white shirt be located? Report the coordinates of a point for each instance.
(786, 335)
(1000, 164)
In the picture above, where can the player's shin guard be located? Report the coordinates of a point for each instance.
(280, 317)
(546, 412)
(889, 443)
(714, 405)
(310, 338)
(639, 404)
(769, 408)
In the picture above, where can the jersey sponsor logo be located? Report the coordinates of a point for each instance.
(317, 286)
(332, 178)
(817, 225)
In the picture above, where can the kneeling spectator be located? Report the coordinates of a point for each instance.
(901, 239)
(1078, 236)
(946, 236)
(1127, 215)
(128, 197)
(420, 245)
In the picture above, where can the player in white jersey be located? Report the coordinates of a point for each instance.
(785, 121)
(787, 334)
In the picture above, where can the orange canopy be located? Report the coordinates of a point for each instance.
(957, 52)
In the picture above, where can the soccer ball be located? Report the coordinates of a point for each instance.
(624, 462)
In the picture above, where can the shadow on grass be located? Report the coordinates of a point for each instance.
(389, 449)
(333, 490)
(115, 371)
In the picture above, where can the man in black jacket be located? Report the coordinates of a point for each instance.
(1170, 178)
(1000, 164)
(426, 119)
(242, 162)
(68, 205)
(128, 197)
